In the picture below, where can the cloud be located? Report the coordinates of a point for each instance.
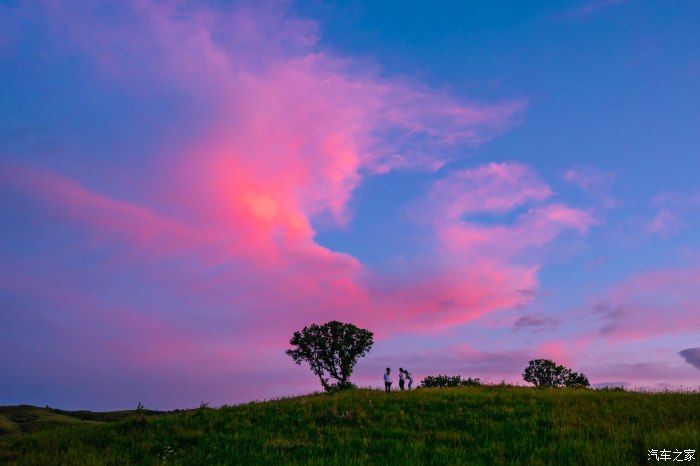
(499, 189)
(691, 356)
(587, 178)
(672, 209)
(119, 220)
(686, 200)
(536, 323)
(650, 304)
(589, 8)
(651, 373)
(624, 334)
(493, 188)
(664, 223)
(533, 229)
(290, 133)
(480, 265)
(595, 183)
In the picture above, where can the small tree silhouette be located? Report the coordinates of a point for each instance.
(547, 373)
(331, 350)
(577, 380)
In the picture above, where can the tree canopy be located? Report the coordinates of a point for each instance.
(547, 373)
(331, 350)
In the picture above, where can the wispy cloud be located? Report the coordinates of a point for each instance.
(651, 304)
(596, 183)
(536, 323)
(589, 8)
(671, 209)
(664, 223)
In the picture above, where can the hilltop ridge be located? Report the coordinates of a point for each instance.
(474, 425)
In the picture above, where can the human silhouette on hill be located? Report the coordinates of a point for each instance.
(387, 380)
(409, 377)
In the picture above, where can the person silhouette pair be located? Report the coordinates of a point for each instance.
(404, 376)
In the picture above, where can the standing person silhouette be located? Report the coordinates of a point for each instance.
(402, 378)
(409, 377)
(387, 380)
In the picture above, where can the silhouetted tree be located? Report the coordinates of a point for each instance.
(331, 350)
(577, 380)
(547, 373)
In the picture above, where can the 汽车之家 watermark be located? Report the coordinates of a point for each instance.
(671, 455)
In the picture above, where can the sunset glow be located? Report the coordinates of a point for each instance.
(184, 184)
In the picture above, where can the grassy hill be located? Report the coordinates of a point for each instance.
(476, 425)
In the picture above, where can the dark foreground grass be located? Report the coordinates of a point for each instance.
(479, 425)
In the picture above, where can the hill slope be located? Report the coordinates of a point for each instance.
(480, 425)
(25, 418)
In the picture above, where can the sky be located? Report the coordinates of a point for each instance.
(185, 184)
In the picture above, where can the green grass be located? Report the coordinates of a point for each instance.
(476, 425)
(24, 418)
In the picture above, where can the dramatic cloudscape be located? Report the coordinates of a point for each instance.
(184, 184)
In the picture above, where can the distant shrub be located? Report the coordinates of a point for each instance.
(503, 384)
(339, 387)
(547, 373)
(441, 381)
(612, 389)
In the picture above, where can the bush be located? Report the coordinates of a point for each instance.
(341, 387)
(441, 381)
(612, 389)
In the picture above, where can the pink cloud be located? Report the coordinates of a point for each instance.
(71, 202)
(587, 179)
(535, 228)
(664, 223)
(499, 189)
(291, 131)
(451, 295)
(494, 187)
(596, 183)
(480, 268)
(659, 369)
(650, 304)
(672, 207)
(271, 241)
(259, 67)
